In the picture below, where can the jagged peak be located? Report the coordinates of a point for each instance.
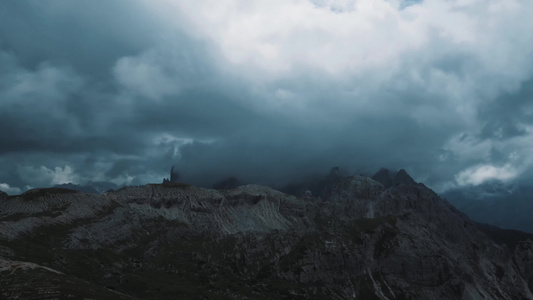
(403, 178)
(384, 177)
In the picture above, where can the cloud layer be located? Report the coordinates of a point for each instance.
(266, 91)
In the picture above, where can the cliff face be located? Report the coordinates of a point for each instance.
(177, 241)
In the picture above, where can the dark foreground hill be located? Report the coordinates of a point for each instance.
(174, 241)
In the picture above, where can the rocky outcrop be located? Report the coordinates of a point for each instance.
(523, 258)
(356, 187)
(3, 195)
(39, 208)
(402, 178)
(174, 176)
(385, 177)
(252, 242)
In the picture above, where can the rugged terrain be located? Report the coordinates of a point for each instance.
(381, 238)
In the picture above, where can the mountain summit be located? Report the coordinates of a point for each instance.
(387, 179)
(402, 178)
(167, 241)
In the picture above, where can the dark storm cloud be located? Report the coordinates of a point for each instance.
(87, 35)
(50, 109)
(293, 151)
(505, 116)
(57, 100)
(120, 91)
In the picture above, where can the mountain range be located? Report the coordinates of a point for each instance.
(354, 237)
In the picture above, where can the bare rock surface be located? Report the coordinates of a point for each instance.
(369, 240)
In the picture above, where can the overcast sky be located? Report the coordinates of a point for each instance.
(267, 91)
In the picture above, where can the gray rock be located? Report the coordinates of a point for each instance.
(384, 177)
(402, 178)
(170, 240)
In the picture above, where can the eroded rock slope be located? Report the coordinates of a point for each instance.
(367, 241)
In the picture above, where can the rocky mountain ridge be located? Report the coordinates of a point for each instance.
(171, 240)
